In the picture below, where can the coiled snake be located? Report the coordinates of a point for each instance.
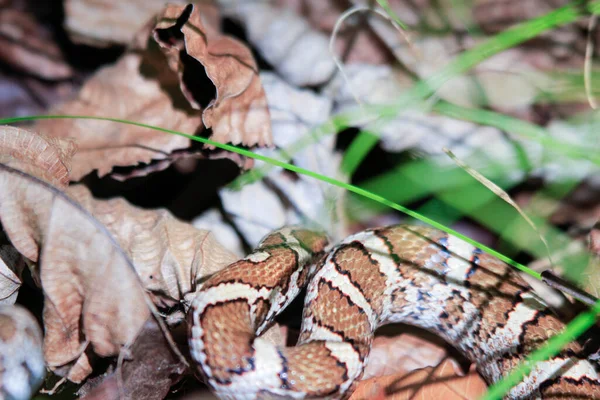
(416, 275)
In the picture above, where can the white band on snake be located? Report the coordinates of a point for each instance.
(416, 275)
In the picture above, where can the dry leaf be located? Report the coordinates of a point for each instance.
(170, 256)
(239, 112)
(93, 296)
(28, 46)
(402, 354)
(298, 53)
(21, 358)
(136, 89)
(443, 382)
(109, 21)
(148, 373)
(45, 157)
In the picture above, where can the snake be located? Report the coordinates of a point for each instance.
(415, 275)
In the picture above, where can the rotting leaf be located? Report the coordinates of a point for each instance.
(148, 373)
(239, 112)
(93, 294)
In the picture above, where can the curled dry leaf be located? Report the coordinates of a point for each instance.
(22, 367)
(109, 21)
(135, 88)
(444, 382)
(45, 157)
(298, 53)
(28, 47)
(239, 112)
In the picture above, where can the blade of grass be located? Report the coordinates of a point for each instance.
(299, 170)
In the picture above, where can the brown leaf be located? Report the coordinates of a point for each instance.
(148, 373)
(135, 88)
(28, 46)
(443, 382)
(109, 21)
(45, 157)
(239, 113)
(21, 358)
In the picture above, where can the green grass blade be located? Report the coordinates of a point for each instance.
(299, 170)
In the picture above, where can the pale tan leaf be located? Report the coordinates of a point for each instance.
(170, 256)
(21, 357)
(443, 382)
(135, 88)
(46, 157)
(93, 295)
(109, 21)
(298, 53)
(239, 113)
(27, 46)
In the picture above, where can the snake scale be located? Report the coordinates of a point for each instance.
(410, 274)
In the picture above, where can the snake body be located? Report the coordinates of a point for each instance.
(416, 275)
